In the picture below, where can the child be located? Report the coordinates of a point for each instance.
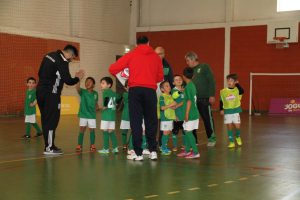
(191, 121)
(125, 123)
(108, 116)
(167, 115)
(30, 109)
(230, 107)
(87, 112)
(178, 96)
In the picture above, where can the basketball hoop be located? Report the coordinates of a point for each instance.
(281, 42)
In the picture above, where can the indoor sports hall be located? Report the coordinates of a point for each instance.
(239, 66)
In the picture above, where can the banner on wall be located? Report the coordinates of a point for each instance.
(69, 106)
(285, 106)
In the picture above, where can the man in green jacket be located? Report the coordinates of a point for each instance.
(206, 88)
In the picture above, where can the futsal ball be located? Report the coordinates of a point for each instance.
(125, 73)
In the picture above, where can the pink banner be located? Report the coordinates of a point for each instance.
(286, 106)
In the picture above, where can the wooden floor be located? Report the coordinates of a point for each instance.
(266, 167)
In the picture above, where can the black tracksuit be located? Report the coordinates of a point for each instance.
(53, 73)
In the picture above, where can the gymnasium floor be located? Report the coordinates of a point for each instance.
(266, 167)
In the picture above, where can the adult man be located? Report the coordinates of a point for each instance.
(53, 73)
(168, 71)
(145, 71)
(206, 87)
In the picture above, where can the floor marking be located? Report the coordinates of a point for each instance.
(228, 182)
(174, 192)
(192, 189)
(150, 196)
(212, 185)
(243, 179)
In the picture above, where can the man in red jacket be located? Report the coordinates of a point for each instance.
(145, 71)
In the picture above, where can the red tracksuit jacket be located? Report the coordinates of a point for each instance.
(145, 67)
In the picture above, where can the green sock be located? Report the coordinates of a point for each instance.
(130, 143)
(92, 137)
(144, 142)
(174, 138)
(80, 138)
(238, 133)
(192, 142)
(37, 128)
(105, 140)
(184, 140)
(187, 143)
(27, 125)
(124, 136)
(164, 141)
(230, 135)
(113, 138)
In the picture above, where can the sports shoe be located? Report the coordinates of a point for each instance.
(231, 145)
(146, 152)
(78, 148)
(193, 156)
(175, 149)
(93, 148)
(103, 151)
(124, 147)
(211, 144)
(53, 151)
(135, 157)
(26, 136)
(166, 152)
(182, 154)
(115, 150)
(129, 152)
(153, 155)
(239, 141)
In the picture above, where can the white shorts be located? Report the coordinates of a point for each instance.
(191, 125)
(30, 119)
(166, 125)
(107, 125)
(125, 125)
(232, 118)
(91, 123)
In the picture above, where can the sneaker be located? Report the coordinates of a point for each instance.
(153, 155)
(78, 148)
(115, 150)
(26, 136)
(38, 134)
(231, 145)
(146, 152)
(239, 141)
(211, 144)
(193, 156)
(175, 149)
(124, 147)
(129, 152)
(160, 149)
(93, 148)
(135, 157)
(53, 151)
(166, 152)
(103, 151)
(182, 154)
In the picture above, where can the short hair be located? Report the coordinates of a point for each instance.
(177, 75)
(108, 80)
(72, 48)
(232, 76)
(188, 72)
(161, 85)
(142, 40)
(30, 79)
(191, 55)
(92, 79)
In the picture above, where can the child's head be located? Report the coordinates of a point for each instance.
(188, 73)
(90, 83)
(106, 82)
(31, 83)
(231, 80)
(165, 87)
(178, 81)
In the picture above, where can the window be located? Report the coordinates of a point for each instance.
(288, 5)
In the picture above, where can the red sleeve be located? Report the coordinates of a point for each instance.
(160, 74)
(120, 64)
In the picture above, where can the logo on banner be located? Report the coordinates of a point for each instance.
(293, 106)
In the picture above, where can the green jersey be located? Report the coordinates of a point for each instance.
(125, 112)
(30, 98)
(178, 96)
(231, 100)
(110, 102)
(190, 95)
(88, 101)
(168, 114)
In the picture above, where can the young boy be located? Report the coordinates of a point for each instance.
(167, 115)
(230, 107)
(108, 115)
(87, 112)
(191, 121)
(30, 109)
(178, 96)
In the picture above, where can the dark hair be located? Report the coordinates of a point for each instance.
(92, 79)
(232, 76)
(176, 76)
(142, 40)
(108, 80)
(188, 72)
(30, 79)
(161, 85)
(70, 47)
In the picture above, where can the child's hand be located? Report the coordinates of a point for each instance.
(222, 112)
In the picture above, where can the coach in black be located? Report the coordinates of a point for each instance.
(53, 73)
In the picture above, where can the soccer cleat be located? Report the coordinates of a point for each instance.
(93, 148)
(26, 136)
(193, 156)
(115, 150)
(166, 152)
(146, 152)
(153, 155)
(239, 141)
(103, 151)
(78, 148)
(231, 145)
(175, 149)
(135, 157)
(53, 151)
